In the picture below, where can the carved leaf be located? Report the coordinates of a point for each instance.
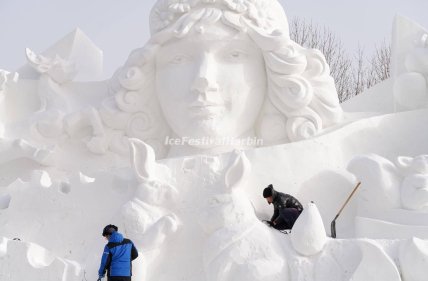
(238, 171)
(142, 159)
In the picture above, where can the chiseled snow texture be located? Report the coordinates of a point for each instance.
(375, 264)
(414, 187)
(413, 259)
(377, 228)
(236, 245)
(20, 260)
(35, 210)
(409, 64)
(76, 47)
(393, 198)
(308, 235)
(197, 217)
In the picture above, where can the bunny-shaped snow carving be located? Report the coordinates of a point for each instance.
(147, 218)
(239, 245)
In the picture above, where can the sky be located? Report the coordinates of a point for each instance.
(119, 26)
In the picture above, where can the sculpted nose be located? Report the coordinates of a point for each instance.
(202, 85)
(205, 80)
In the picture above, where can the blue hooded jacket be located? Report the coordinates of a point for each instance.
(118, 256)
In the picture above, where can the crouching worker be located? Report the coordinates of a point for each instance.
(117, 257)
(286, 208)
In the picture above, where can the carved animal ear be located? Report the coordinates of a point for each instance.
(142, 159)
(238, 171)
(404, 162)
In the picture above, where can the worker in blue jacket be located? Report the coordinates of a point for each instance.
(117, 257)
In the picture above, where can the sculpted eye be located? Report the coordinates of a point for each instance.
(236, 55)
(177, 59)
(213, 202)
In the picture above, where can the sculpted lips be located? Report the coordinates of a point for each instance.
(206, 109)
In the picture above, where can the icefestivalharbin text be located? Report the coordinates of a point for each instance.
(220, 141)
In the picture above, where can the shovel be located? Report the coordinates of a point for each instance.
(333, 223)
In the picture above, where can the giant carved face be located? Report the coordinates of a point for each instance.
(211, 83)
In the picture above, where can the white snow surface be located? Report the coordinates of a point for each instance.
(76, 156)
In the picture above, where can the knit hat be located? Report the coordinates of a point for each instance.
(109, 229)
(268, 191)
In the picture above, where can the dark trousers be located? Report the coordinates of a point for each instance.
(287, 218)
(119, 278)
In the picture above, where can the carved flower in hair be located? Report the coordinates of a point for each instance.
(265, 14)
(239, 6)
(261, 13)
(161, 15)
(184, 6)
(167, 11)
(180, 6)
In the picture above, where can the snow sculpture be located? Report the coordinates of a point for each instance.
(54, 72)
(239, 246)
(388, 191)
(336, 262)
(410, 68)
(5, 78)
(413, 258)
(16, 149)
(3, 81)
(145, 221)
(308, 236)
(58, 69)
(217, 69)
(380, 182)
(57, 115)
(375, 264)
(21, 260)
(11, 149)
(49, 211)
(350, 259)
(74, 47)
(404, 185)
(182, 100)
(188, 74)
(414, 187)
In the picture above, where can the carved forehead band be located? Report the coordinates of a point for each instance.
(266, 15)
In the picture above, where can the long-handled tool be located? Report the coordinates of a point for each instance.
(333, 223)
